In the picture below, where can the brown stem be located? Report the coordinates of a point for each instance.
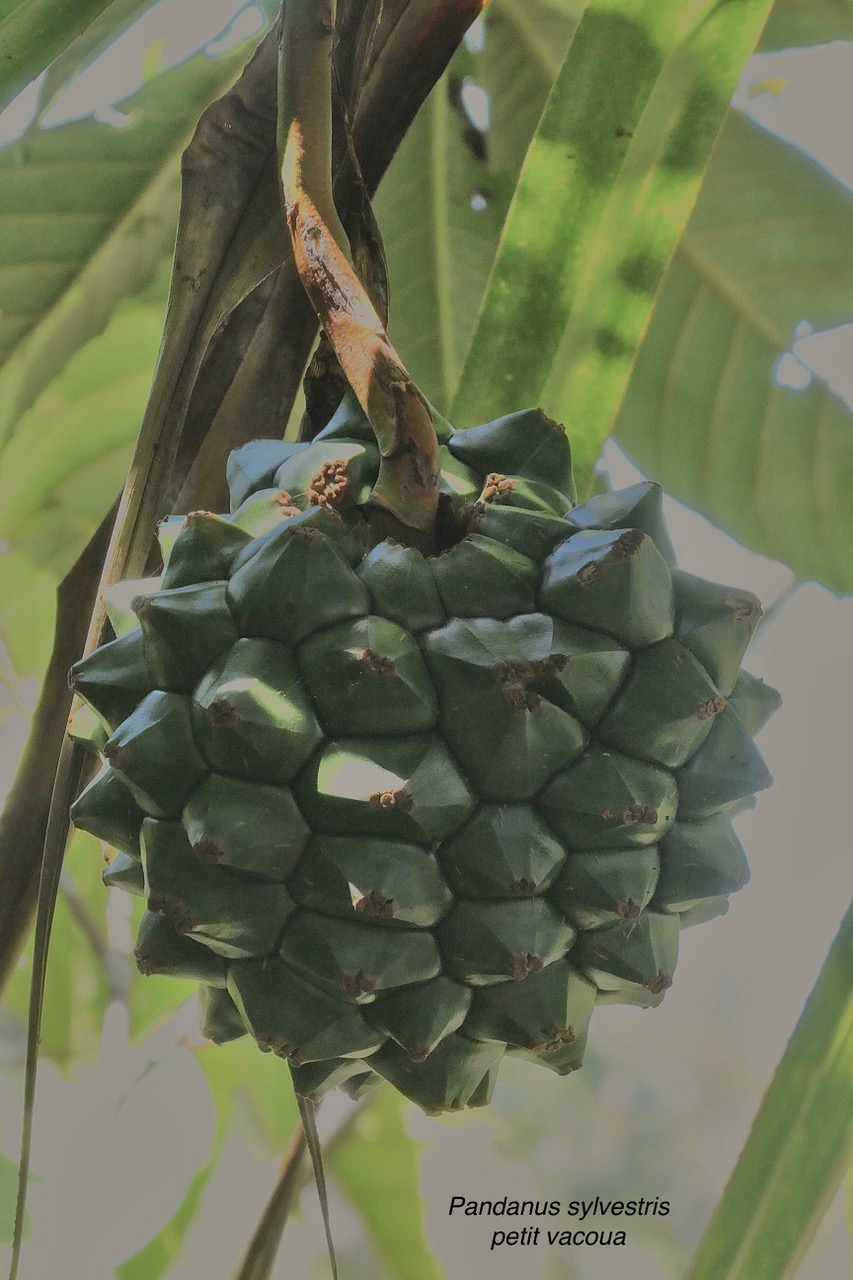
(259, 1257)
(407, 486)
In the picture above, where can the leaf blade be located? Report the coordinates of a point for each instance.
(609, 178)
(706, 411)
(109, 200)
(33, 33)
(800, 1142)
(377, 1170)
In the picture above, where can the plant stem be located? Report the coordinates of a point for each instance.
(260, 1253)
(407, 486)
(259, 1257)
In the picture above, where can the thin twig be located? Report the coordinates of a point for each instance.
(293, 1175)
(259, 1257)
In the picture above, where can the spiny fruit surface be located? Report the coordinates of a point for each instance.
(400, 814)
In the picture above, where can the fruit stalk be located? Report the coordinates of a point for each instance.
(404, 500)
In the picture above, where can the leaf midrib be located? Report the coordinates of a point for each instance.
(713, 276)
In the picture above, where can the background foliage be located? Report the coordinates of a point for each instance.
(715, 403)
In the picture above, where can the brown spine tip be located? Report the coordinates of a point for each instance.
(173, 909)
(554, 1039)
(522, 965)
(114, 754)
(222, 714)
(207, 850)
(356, 984)
(375, 904)
(376, 663)
(274, 1044)
(745, 608)
(627, 544)
(329, 485)
(587, 575)
(399, 799)
(523, 887)
(497, 489)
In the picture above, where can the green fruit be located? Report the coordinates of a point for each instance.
(401, 814)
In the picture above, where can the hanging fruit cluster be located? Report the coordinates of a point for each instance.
(400, 814)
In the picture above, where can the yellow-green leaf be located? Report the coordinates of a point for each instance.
(377, 1168)
(707, 412)
(607, 186)
(800, 1143)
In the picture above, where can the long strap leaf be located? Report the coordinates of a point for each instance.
(800, 1143)
(607, 185)
(67, 782)
(308, 1116)
(33, 33)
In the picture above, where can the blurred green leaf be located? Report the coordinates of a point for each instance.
(87, 212)
(524, 47)
(154, 1260)
(27, 608)
(68, 456)
(152, 1001)
(767, 247)
(800, 1142)
(439, 245)
(443, 203)
(377, 1168)
(8, 1187)
(33, 33)
(606, 189)
(239, 1074)
(796, 23)
(76, 993)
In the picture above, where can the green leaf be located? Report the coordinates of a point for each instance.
(27, 610)
(439, 246)
(33, 33)
(795, 23)
(377, 1169)
(76, 993)
(606, 189)
(87, 212)
(767, 247)
(524, 47)
(68, 457)
(800, 1142)
(238, 1070)
(151, 1262)
(153, 1000)
(443, 203)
